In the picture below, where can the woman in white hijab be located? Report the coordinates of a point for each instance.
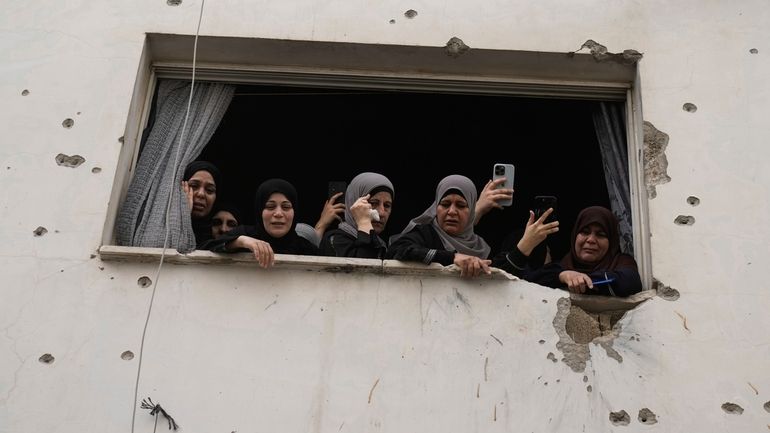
(444, 232)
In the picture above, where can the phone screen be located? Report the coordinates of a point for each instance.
(542, 204)
(336, 186)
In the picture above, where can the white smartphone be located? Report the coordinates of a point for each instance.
(506, 171)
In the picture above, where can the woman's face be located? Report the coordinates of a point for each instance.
(222, 222)
(382, 202)
(591, 244)
(278, 215)
(453, 214)
(204, 193)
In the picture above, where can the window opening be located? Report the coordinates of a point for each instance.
(318, 134)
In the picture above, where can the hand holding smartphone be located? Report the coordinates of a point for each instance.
(504, 171)
(336, 186)
(542, 204)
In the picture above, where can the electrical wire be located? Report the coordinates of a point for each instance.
(174, 187)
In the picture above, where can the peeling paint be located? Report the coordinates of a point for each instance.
(69, 161)
(455, 47)
(655, 161)
(600, 54)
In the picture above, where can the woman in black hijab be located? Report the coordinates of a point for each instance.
(595, 265)
(199, 184)
(274, 231)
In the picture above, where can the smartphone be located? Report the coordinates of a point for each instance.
(506, 171)
(336, 186)
(542, 203)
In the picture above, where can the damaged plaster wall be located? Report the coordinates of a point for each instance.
(338, 352)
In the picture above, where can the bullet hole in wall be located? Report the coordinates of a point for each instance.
(121, 139)
(68, 123)
(693, 201)
(144, 282)
(684, 220)
(24, 92)
(551, 356)
(589, 388)
(753, 51)
(40, 231)
(456, 47)
(411, 13)
(46, 358)
(580, 321)
(69, 161)
(541, 341)
(668, 293)
(392, 21)
(127, 355)
(173, 2)
(96, 170)
(689, 107)
(732, 408)
(647, 416)
(620, 418)
(767, 406)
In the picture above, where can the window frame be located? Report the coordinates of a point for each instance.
(391, 67)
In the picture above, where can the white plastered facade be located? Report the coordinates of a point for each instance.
(235, 348)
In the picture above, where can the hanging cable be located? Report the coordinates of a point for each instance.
(168, 211)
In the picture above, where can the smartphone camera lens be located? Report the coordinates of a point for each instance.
(499, 170)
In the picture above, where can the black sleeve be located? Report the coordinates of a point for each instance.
(219, 245)
(547, 276)
(627, 282)
(306, 248)
(514, 262)
(422, 244)
(627, 279)
(337, 243)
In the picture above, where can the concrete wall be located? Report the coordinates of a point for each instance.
(240, 349)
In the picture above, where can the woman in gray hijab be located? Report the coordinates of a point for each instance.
(368, 202)
(444, 232)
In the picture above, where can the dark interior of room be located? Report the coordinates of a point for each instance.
(310, 136)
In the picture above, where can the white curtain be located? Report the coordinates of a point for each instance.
(142, 218)
(610, 123)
